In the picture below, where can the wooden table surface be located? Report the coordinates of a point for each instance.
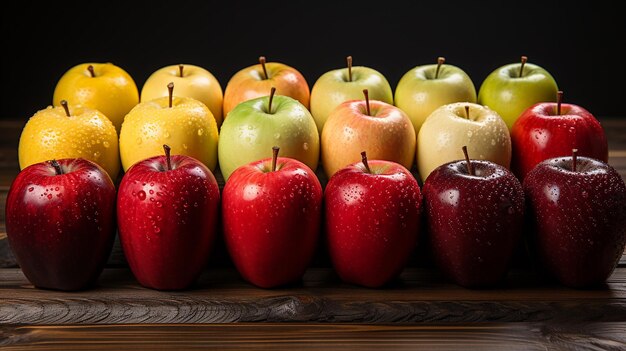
(419, 311)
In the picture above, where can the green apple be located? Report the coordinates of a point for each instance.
(511, 89)
(253, 127)
(453, 126)
(425, 88)
(337, 86)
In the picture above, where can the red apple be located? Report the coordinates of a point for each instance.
(60, 221)
(475, 213)
(271, 216)
(373, 212)
(168, 211)
(549, 129)
(578, 207)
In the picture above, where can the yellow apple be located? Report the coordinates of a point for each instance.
(380, 129)
(70, 132)
(255, 81)
(101, 86)
(190, 81)
(185, 124)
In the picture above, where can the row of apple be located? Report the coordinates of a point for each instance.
(61, 220)
(183, 108)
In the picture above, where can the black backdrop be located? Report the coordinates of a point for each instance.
(578, 45)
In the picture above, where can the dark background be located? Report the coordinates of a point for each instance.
(578, 45)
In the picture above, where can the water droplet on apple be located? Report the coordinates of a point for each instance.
(158, 203)
(200, 131)
(276, 135)
(105, 144)
(585, 194)
(493, 142)
(151, 191)
(185, 146)
(141, 195)
(305, 146)
(31, 189)
(138, 140)
(469, 133)
(157, 229)
(49, 196)
(96, 155)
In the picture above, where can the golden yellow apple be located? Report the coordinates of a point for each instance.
(190, 81)
(70, 132)
(101, 86)
(185, 124)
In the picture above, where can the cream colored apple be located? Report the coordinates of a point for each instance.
(378, 128)
(183, 123)
(70, 132)
(452, 126)
(190, 81)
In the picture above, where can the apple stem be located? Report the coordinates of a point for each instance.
(364, 160)
(168, 157)
(440, 61)
(521, 68)
(57, 167)
(467, 111)
(274, 157)
(170, 89)
(574, 159)
(367, 101)
(470, 169)
(65, 107)
(262, 62)
(559, 100)
(269, 104)
(181, 67)
(349, 62)
(91, 71)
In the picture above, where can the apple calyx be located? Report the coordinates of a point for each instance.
(57, 167)
(65, 107)
(470, 168)
(559, 101)
(367, 101)
(181, 67)
(275, 150)
(262, 62)
(349, 63)
(271, 98)
(170, 90)
(91, 71)
(440, 61)
(364, 160)
(168, 157)
(574, 159)
(467, 108)
(521, 68)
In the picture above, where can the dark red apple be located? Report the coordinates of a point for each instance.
(578, 208)
(271, 216)
(60, 221)
(373, 212)
(549, 129)
(168, 211)
(475, 213)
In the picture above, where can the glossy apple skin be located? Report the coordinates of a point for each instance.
(419, 93)
(386, 134)
(579, 218)
(539, 134)
(250, 83)
(474, 222)
(168, 220)
(510, 95)
(272, 220)
(372, 221)
(61, 227)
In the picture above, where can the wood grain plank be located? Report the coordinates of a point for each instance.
(513, 336)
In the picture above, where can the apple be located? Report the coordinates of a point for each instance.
(271, 217)
(425, 88)
(578, 208)
(336, 86)
(383, 130)
(70, 131)
(475, 214)
(190, 81)
(60, 221)
(184, 123)
(168, 212)
(101, 86)
(254, 126)
(512, 88)
(373, 212)
(255, 81)
(452, 126)
(548, 130)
